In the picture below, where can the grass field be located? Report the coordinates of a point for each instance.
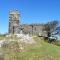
(42, 51)
(39, 51)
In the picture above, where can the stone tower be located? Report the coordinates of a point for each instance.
(14, 26)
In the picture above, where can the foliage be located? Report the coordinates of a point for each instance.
(52, 28)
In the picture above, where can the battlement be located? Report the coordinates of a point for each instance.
(14, 12)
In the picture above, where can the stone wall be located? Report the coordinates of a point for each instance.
(33, 28)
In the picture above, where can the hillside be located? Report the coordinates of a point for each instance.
(37, 51)
(42, 51)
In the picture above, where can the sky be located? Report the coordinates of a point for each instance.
(31, 11)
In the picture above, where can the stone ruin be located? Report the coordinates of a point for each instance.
(14, 22)
(15, 26)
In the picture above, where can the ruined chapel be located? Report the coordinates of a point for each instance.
(15, 27)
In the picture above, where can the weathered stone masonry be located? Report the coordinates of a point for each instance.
(14, 24)
(15, 27)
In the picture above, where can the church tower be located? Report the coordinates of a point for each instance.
(14, 26)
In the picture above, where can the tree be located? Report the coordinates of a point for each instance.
(52, 28)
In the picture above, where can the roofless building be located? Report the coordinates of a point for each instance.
(15, 26)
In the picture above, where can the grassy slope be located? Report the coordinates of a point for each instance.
(39, 51)
(42, 51)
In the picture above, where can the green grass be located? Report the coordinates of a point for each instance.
(42, 51)
(39, 51)
(2, 37)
